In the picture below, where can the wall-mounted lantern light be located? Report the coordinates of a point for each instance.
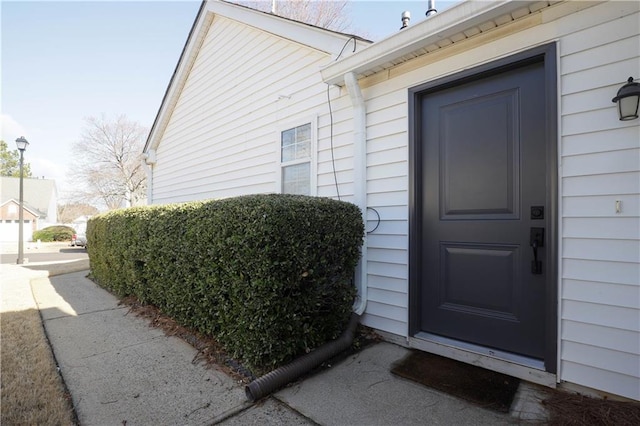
(628, 98)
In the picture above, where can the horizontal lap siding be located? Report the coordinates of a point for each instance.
(221, 139)
(388, 194)
(600, 164)
(335, 146)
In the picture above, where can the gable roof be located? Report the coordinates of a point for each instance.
(463, 21)
(320, 39)
(38, 193)
(25, 205)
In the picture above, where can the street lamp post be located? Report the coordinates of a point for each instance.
(22, 144)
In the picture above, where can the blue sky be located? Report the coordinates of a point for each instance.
(64, 61)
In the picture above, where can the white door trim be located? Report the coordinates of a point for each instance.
(524, 368)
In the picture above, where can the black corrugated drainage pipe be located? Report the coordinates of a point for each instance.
(279, 377)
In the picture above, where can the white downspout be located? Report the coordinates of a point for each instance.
(149, 160)
(270, 382)
(359, 179)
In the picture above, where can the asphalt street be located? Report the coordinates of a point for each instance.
(44, 253)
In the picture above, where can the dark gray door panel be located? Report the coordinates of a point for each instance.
(483, 169)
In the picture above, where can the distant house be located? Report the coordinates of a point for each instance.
(40, 198)
(499, 187)
(80, 223)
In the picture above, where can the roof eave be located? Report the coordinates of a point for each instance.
(429, 31)
(321, 39)
(154, 127)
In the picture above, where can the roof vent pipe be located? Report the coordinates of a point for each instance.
(406, 17)
(432, 8)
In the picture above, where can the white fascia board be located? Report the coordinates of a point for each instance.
(185, 62)
(445, 24)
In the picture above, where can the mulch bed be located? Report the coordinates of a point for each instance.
(210, 352)
(213, 354)
(568, 409)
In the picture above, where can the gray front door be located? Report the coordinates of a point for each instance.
(483, 204)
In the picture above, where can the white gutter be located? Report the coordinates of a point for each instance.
(430, 31)
(359, 178)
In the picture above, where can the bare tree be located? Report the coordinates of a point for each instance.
(109, 164)
(330, 14)
(67, 213)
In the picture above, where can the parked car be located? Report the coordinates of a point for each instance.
(78, 240)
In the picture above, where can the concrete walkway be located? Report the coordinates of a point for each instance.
(121, 371)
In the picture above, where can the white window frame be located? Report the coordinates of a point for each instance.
(312, 159)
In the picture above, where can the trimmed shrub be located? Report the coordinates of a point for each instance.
(270, 276)
(54, 233)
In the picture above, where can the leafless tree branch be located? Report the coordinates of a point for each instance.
(109, 163)
(330, 14)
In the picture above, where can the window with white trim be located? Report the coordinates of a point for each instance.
(296, 147)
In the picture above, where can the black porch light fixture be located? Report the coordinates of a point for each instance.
(628, 98)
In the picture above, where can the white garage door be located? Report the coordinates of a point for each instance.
(9, 230)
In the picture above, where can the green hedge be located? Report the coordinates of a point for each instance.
(54, 233)
(270, 276)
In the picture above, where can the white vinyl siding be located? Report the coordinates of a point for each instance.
(387, 193)
(335, 147)
(221, 139)
(247, 85)
(600, 294)
(387, 188)
(599, 164)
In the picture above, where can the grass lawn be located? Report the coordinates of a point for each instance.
(32, 389)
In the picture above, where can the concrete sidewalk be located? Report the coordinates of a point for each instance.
(121, 371)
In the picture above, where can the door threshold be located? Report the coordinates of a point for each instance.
(529, 369)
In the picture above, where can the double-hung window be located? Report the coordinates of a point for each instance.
(296, 153)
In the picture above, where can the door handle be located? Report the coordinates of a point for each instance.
(536, 240)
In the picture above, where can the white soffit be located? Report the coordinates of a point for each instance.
(451, 26)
